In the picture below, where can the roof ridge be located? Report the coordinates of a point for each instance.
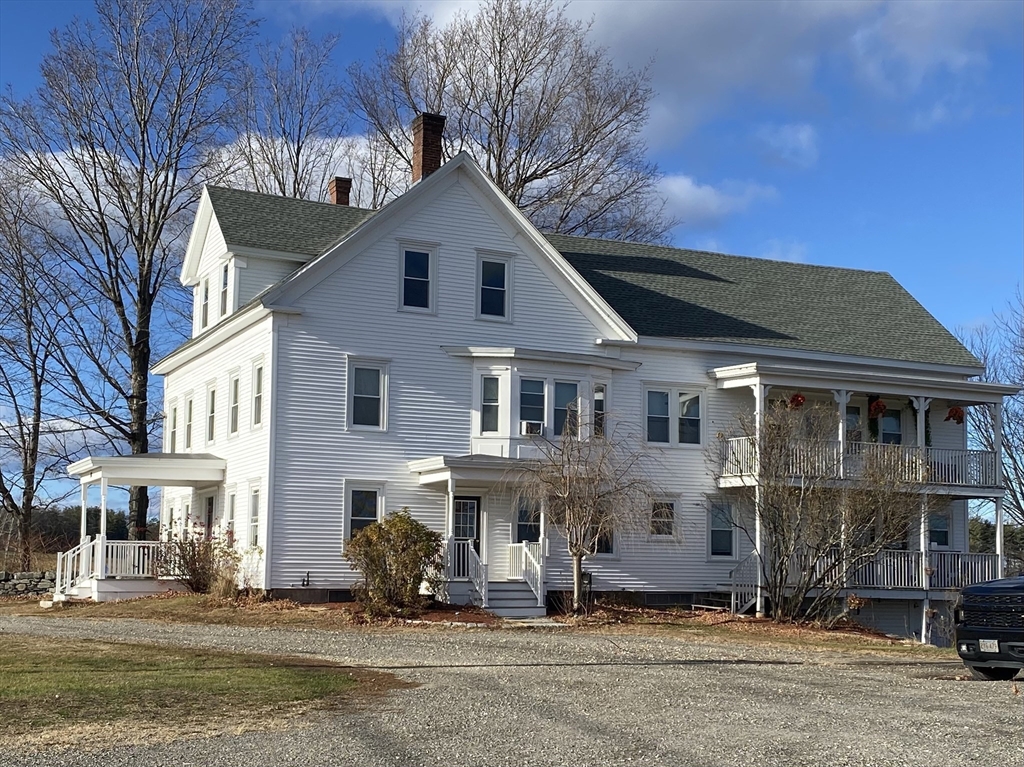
(290, 199)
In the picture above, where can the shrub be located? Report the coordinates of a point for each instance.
(395, 557)
(200, 564)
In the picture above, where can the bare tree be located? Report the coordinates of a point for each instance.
(541, 108)
(999, 345)
(817, 532)
(33, 444)
(117, 142)
(592, 485)
(291, 116)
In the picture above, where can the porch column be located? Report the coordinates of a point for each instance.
(760, 391)
(921, 405)
(842, 397)
(85, 505)
(101, 547)
(997, 449)
(449, 518)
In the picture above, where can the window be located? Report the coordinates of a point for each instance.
(493, 288)
(211, 414)
(416, 287)
(173, 441)
(254, 519)
(665, 405)
(600, 392)
(233, 405)
(224, 292)
(363, 509)
(689, 419)
(657, 416)
(257, 395)
(229, 522)
(566, 407)
(531, 400)
(206, 303)
(938, 530)
(722, 531)
(489, 405)
(663, 518)
(366, 402)
(853, 427)
(890, 428)
(605, 543)
(188, 423)
(528, 523)
(211, 505)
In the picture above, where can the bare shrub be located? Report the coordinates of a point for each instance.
(202, 565)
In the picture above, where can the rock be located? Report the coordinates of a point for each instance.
(5, 576)
(45, 584)
(50, 575)
(27, 576)
(20, 587)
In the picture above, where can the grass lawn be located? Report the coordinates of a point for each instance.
(48, 683)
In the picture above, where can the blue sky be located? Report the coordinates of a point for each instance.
(871, 135)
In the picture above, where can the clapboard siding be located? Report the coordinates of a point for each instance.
(247, 453)
(258, 274)
(211, 260)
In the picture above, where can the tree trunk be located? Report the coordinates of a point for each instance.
(138, 499)
(577, 584)
(25, 538)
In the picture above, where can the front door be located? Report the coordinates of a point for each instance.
(466, 532)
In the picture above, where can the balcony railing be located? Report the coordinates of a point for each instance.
(826, 459)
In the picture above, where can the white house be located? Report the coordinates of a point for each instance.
(346, 363)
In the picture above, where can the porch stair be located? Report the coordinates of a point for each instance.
(513, 599)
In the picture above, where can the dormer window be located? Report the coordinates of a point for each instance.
(224, 292)
(205, 309)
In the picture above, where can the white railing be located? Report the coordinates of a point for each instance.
(132, 558)
(938, 466)
(953, 570)
(743, 583)
(888, 570)
(478, 575)
(516, 555)
(75, 566)
(464, 564)
(533, 569)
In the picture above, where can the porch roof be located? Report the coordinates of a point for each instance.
(482, 468)
(151, 469)
(789, 376)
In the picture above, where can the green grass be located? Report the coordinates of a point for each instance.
(49, 682)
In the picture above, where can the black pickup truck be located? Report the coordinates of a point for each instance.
(989, 620)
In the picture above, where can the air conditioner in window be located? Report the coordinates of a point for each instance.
(531, 428)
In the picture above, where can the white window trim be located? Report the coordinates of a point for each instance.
(734, 557)
(224, 296)
(234, 380)
(188, 421)
(230, 517)
(204, 304)
(580, 399)
(209, 434)
(360, 484)
(173, 432)
(366, 362)
(949, 531)
(254, 487)
(255, 424)
(548, 421)
(507, 259)
(675, 520)
(615, 553)
(591, 413)
(431, 249)
(674, 390)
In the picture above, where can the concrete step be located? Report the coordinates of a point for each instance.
(517, 612)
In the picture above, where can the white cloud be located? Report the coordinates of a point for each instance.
(785, 250)
(792, 144)
(703, 205)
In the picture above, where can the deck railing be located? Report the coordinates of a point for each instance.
(75, 566)
(533, 569)
(136, 559)
(824, 459)
(465, 564)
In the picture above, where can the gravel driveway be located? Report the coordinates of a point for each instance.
(538, 697)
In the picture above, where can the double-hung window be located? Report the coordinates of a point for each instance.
(663, 518)
(229, 522)
(722, 531)
(853, 426)
(363, 508)
(173, 440)
(600, 403)
(205, 310)
(665, 405)
(188, 423)
(224, 291)
(938, 530)
(566, 407)
(528, 523)
(368, 395)
(211, 414)
(233, 390)
(891, 431)
(489, 404)
(493, 302)
(257, 395)
(254, 518)
(417, 287)
(531, 400)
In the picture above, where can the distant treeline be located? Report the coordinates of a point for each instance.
(58, 529)
(983, 540)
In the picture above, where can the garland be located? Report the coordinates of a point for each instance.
(876, 409)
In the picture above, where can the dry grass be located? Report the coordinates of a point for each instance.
(86, 684)
(10, 561)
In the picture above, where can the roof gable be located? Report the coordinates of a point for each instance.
(697, 295)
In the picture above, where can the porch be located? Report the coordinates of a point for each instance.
(102, 570)
(494, 558)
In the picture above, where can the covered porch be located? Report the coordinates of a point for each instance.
(494, 556)
(100, 569)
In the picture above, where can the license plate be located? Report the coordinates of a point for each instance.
(988, 645)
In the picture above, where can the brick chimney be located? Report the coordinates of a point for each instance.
(339, 189)
(427, 130)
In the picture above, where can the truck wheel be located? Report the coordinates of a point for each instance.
(993, 673)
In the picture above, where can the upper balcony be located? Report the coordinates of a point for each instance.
(937, 470)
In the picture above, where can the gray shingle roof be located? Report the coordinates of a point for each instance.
(269, 222)
(669, 292)
(691, 294)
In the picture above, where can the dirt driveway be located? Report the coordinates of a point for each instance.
(542, 697)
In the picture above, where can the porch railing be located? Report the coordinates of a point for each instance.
(465, 564)
(75, 566)
(133, 558)
(533, 569)
(953, 570)
(824, 459)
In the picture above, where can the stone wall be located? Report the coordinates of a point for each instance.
(26, 584)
